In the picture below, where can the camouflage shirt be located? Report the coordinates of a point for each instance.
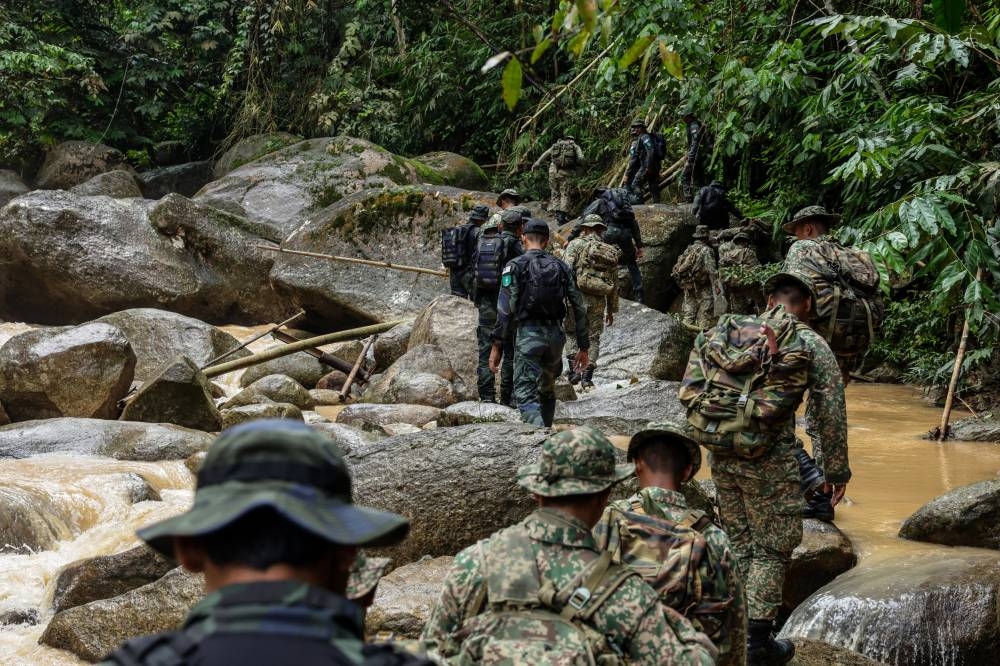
(571, 256)
(631, 618)
(826, 409)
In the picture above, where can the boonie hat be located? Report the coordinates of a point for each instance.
(810, 212)
(580, 461)
(365, 575)
(593, 220)
(773, 281)
(511, 217)
(535, 226)
(285, 466)
(638, 122)
(509, 193)
(670, 432)
(479, 213)
(700, 231)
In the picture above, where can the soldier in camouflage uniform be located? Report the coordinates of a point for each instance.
(600, 309)
(274, 530)
(506, 199)
(738, 254)
(698, 277)
(760, 503)
(364, 579)
(565, 157)
(665, 456)
(643, 163)
(536, 307)
(555, 551)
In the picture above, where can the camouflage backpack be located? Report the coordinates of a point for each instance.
(564, 154)
(689, 270)
(738, 395)
(596, 269)
(849, 305)
(519, 619)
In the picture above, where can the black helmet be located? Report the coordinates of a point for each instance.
(536, 226)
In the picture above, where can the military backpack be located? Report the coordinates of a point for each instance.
(564, 155)
(542, 288)
(455, 245)
(490, 259)
(596, 269)
(713, 202)
(519, 619)
(739, 395)
(659, 146)
(690, 270)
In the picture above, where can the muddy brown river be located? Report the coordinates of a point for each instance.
(895, 472)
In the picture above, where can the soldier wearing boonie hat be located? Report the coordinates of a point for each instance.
(275, 531)
(553, 550)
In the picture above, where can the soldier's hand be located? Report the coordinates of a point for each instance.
(772, 340)
(582, 360)
(495, 355)
(838, 490)
(609, 319)
(640, 252)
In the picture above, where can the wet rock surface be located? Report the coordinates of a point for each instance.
(30, 521)
(122, 440)
(276, 388)
(71, 371)
(371, 417)
(255, 412)
(138, 489)
(405, 597)
(118, 184)
(391, 345)
(472, 411)
(976, 430)
(643, 343)
(966, 516)
(11, 186)
(456, 170)
(179, 394)
(424, 375)
(108, 576)
(73, 162)
(817, 653)
(346, 437)
(666, 231)
(625, 410)
(449, 323)
(300, 366)
(824, 554)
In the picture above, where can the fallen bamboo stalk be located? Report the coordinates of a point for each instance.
(273, 329)
(323, 357)
(301, 345)
(956, 372)
(346, 389)
(353, 260)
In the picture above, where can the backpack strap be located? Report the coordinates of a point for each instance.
(695, 520)
(833, 313)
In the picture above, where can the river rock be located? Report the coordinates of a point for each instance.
(325, 397)
(965, 516)
(456, 170)
(70, 371)
(456, 485)
(331, 381)
(405, 597)
(666, 231)
(398, 224)
(392, 344)
(165, 153)
(449, 322)
(250, 148)
(886, 373)
(23, 616)
(122, 440)
(472, 411)
(179, 394)
(94, 629)
(185, 179)
(373, 416)
(422, 376)
(269, 410)
(347, 438)
(300, 366)
(30, 521)
(911, 609)
(159, 334)
(193, 463)
(817, 653)
(73, 162)
(971, 429)
(108, 576)
(642, 343)
(623, 409)
(11, 186)
(117, 184)
(276, 388)
(138, 489)
(393, 429)
(824, 554)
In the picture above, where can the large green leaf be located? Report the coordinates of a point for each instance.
(635, 51)
(512, 81)
(671, 61)
(948, 14)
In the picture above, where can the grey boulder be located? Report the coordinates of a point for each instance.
(73, 162)
(405, 597)
(255, 412)
(642, 343)
(449, 323)
(185, 179)
(471, 411)
(276, 388)
(623, 408)
(424, 375)
(251, 148)
(118, 184)
(965, 516)
(11, 186)
(300, 366)
(392, 344)
(121, 440)
(179, 394)
(824, 554)
(107, 576)
(372, 417)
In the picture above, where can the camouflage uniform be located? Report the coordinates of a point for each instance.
(573, 462)
(741, 298)
(597, 306)
(700, 283)
(486, 303)
(365, 575)
(539, 343)
(560, 179)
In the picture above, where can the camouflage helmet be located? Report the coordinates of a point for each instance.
(509, 193)
(579, 461)
(700, 232)
(365, 575)
(811, 213)
(285, 466)
(479, 213)
(775, 280)
(593, 220)
(670, 433)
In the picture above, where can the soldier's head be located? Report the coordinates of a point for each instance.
(795, 292)
(574, 473)
(638, 127)
(479, 214)
(273, 502)
(568, 137)
(509, 197)
(701, 233)
(665, 456)
(592, 225)
(512, 220)
(810, 222)
(364, 578)
(686, 114)
(535, 234)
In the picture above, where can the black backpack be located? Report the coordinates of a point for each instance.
(490, 261)
(713, 201)
(542, 291)
(659, 146)
(455, 245)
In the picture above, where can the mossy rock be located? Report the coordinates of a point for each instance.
(454, 169)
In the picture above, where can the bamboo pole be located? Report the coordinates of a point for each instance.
(273, 329)
(323, 357)
(301, 345)
(956, 372)
(346, 389)
(353, 260)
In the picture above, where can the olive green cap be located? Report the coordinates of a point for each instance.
(670, 432)
(285, 466)
(808, 213)
(638, 122)
(579, 461)
(509, 193)
(365, 575)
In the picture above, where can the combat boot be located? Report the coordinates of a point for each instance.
(572, 376)
(763, 649)
(548, 409)
(820, 507)
(587, 379)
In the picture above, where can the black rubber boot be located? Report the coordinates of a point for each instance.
(763, 649)
(819, 507)
(587, 380)
(548, 411)
(810, 475)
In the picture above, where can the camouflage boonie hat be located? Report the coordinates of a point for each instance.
(742, 235)
(700, 231)
(773, 281)
(285, 466)
(592, 221)
(365, 575)
(509, 193)
(810, 212)
(480, 213)
(672, 433)
(638, 122)
(580, 461)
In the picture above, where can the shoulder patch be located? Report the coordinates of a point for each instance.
(508, 268)
(507, 279)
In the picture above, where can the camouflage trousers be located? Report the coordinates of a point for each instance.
(761, 509)
(595, 326)
(698, 307)
(537, 362)
(560, 189)
(486, 380)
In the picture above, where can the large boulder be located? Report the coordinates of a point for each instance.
(405, 597)
(94, 629)
(70, 258)
(643, 343)
(30, 521)
(276, 388)
(265, 410)
(422, 376)
(122, 440)
(69, 371)
(965, 516)
(666, 231)
(283, 186)
(179, 394)
(401, 225)
(817, 653)
(118, 184)
(73, 162)
(450, 323)
(371, 417)
(347, 438)
(473, 411)
(185, 179)
(156, 335)
(300, 366)
(11, 186)
(622, 408)
(456, 485)
(974, 429)
(251, 148)
(824, 554)
(455, 169)
(911, 609)
(107, 576)
(392, 344)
